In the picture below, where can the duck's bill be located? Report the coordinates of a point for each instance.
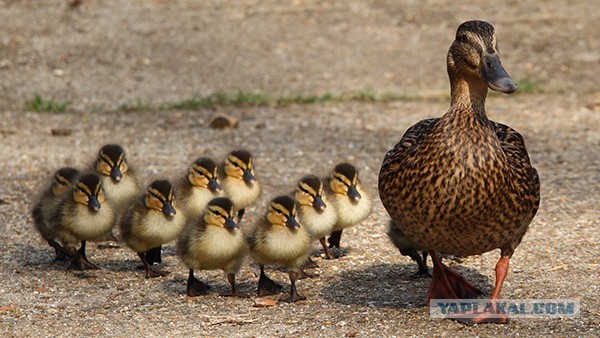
(495, 76)
(231, 224)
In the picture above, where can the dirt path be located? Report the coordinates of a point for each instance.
(304, 47)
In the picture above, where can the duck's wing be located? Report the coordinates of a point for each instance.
(526, 181)
(409, 141)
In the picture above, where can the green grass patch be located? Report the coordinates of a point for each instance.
(43, 105)
(248, 99)
(530, 86)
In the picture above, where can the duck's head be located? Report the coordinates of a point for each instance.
(160, 197)
(220, 212)
(282, 212)
(63, 180)
(88, 191)
(309, 192)
(111, 162)
(239, 165)
(203, 173)
(474, 54)
(344, 181)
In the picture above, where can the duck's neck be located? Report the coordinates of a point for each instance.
(468, 97)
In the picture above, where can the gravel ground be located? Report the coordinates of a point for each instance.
(115, 52)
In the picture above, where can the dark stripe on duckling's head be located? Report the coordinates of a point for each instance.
(66, 175)
(206, 163)
(90, 185)
(162, 191)
(312, 186)
(347, 170)
(220, 212)
(112, 152)
(243, 155)
(223, 203)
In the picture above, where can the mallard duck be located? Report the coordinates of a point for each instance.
(118, 179)
(318, 217)
(278, 239)
(82, 215)
(240, 183)
(410, 249)
(151, 222)
(462, 184)
(212, 242)
(351, 203)
(62, 181)
(199, 187)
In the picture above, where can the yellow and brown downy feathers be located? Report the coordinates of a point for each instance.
(82, 215)
(151, 222)
(213, 241)
(278, 239)
(199, 187)
(62, 182)
(239, 182)
(316, 214)
(352, 204)
(462, 184)
(118, 179)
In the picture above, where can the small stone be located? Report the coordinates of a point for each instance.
(224, 122)
(58, 72)
(61, 131)
(264, 302)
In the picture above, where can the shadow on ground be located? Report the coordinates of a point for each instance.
(389, 285)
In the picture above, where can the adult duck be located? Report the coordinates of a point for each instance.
(462, 184)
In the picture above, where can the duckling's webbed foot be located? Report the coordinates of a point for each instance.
(195, 287)
(234, 292)
(150, 272)
(78, 262)
(266, 286)
(61, 255)
(328, 253)
(422, 271)
(293, 296)
(334, 239)
(310, 264)
(154, 255)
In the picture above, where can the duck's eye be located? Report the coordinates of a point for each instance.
(462, 37)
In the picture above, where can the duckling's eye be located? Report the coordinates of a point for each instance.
(339, 179)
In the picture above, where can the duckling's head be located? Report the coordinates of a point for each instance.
(203, 173)
(63, 180)
(88, 191)
(344, 181)
(220, 212)
(239, 165)
(282, 212)
(159, 197)
(474, 53)
(309, 192)
(111, 162)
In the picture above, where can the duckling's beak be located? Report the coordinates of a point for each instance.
(214, 186)
(353, 193)
(319, 204)
(231, 224)
(495, 76)
(116, 174)
(168, 209)
(292, 223)
(249, 177)
(93, 203)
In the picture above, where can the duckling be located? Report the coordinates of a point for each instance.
(118, 179)
(199, 187)
(318, 217)
(279, 239)
(240, 183)
(410, 249)
(462, 184)
(152, 222)
(82, 215)
(62, 182)
(212, 242)
(350, 201)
